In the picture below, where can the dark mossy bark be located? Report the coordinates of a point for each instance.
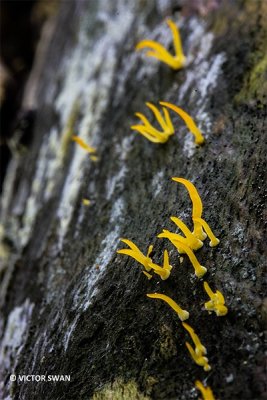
(69, 303)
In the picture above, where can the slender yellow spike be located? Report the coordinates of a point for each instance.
(158, 51)
(199, 139)
(135, 253)
(200, 349)
(213, 240)
(83, 145)
(205, 391)
(158, 115)
(182, 314)
(147, 275)
(197, 206)
(163, 272)
(199, 269)
(193, 242)
(199, 360)
(216, 303)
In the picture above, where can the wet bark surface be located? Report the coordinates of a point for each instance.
(69, 303)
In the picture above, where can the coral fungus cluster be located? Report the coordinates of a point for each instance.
(187, 241)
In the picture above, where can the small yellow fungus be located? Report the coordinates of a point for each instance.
(182, 247)
(216, 303)
(86, 202)
(205, 391)
(193, 242)
(213, 240)
(135, 253)
(147, 275)
(151, 133)
(94, 158)
(83, 145)
(199, 139)
(163, 272)
(158, 51)
(199, 349)
(197, 206)
(199, 359)
(182, 314)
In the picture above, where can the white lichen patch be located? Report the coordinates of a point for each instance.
(157, 183)
(202, 75)
(15, 335)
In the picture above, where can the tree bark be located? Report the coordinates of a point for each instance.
(69, 304)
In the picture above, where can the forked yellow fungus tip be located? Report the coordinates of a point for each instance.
(213, 240)
(216, 303)
(182, 314)
(205, 391)
(157, 50)
(200, 349)
(199, 138)
(135, 253)
(83, 145)
(151, 133)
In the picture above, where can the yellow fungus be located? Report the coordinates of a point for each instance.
(205, 391)
(199, 349)
(147, 275)
(86, 202)
(83, 145)
(197, 206)
(94, 158)
(182, 314)
(163, 272)
(158, 51)
(135, 253)
(216, 303)
(181, 246)
(213, 240)
(199, 139)
(193, 242)
(151, 133)
(199, 359)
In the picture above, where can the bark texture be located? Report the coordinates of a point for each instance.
(69, 303)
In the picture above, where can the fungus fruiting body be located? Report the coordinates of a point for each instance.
(216, 303)
(213, 240)
(193, 242)
(158, 51)
(83, 145)
(199, 139)
(151, 133)
(200, 351)
(135, 253)
(182, 314)
(163, 272)
(146, 261)
(205, 391)
(183, 248)
(86, 202)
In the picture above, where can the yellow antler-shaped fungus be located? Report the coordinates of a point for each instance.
(135, 253)
(199, 348)
(83, 145)
(158, 51)
(163, 272)
(216, 303)
(205, 391)
(151, 133)
(197, 206)
(213, 240)
(199, 360)
(182, 314)
(192, 241)
(199, 139)
(182, 247)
